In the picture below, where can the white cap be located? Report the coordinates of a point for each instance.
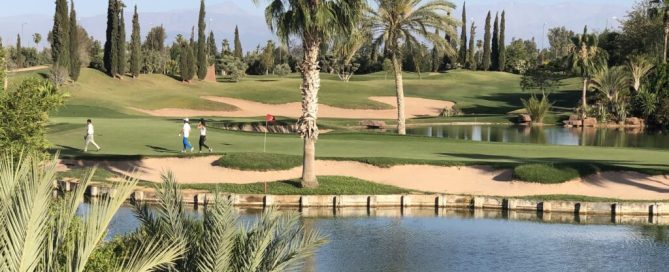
(186, 120)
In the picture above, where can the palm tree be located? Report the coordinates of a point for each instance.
(407, 21)
(275, 242)
(586, 58)
(39, 232)
(314, 22)
(613, 83)
(639, 67)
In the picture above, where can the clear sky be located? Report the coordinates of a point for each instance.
(525, 18)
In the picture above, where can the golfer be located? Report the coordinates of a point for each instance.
(90, 138)
(202, 126)
(185, 132)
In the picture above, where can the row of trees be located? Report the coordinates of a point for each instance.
(487, 54)
(65, 42)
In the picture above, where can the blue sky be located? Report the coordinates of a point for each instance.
(525, 18)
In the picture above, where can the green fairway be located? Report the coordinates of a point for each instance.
(159, 137)
(97, 95)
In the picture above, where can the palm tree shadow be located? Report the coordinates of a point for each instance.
(161, 149)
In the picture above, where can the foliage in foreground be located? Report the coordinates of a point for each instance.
(42, 233)
(274, 242)
(24, 112)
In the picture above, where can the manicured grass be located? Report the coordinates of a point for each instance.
(259, 161)
(127, 137)
(97, 95)
(544, 173)
(101, 175)
(581, 198)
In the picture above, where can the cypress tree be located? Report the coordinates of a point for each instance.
(184, 63)
(212, 49)
(238, 52)
(121, 43)
(462, 56)
(60, 49)
(502, 46)
(201, 45)
(494, 54)
(471, 56)
(486, 44)
(75, 62)
(3, 68)
(135, 46)
(19, 54)
(111, 44)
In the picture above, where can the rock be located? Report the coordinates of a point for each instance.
(634, 121)
(374, 124)
(590, 122)
(524, 118)
(574, 117)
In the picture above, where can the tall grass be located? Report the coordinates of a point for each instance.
(537, 109)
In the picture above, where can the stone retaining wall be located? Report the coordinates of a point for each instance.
(402, 202)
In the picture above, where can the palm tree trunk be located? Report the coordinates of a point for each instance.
(399, 88)
(583, 95)
(307, 123)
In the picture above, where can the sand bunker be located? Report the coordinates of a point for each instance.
(475, 180)
(415, 107)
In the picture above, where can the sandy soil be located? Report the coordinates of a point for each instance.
(475, 180)
(414, 107)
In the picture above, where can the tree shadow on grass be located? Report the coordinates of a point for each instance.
(587, 169)
(161, 149)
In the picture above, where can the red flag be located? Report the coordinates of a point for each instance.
(270, 118)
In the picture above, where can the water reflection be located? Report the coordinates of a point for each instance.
(415, 239)
(630, 137)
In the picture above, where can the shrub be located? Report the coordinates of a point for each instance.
(282, 70)
(235, 68)
(537, 109)
(544, 173)
(452, 111)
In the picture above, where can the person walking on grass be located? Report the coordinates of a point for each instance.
(185, 132)
(202, 126)
(90, 138)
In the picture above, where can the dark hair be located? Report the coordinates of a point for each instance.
(203, 122)
(89, 121)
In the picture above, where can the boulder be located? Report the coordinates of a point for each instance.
(574, 117)
(590, 122)
(524, 118)
(374, 124)
(634, 121)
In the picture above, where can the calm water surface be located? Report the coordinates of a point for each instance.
(548, 135)
(460, 242)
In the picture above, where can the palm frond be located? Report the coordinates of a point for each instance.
(158, 253)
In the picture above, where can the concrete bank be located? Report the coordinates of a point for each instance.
(650, 209)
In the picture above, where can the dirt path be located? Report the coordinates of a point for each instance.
(28, 69)
(475, 180)
(415, 107)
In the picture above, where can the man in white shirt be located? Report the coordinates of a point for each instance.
(185, 131)
(90, 138)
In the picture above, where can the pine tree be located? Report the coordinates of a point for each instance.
(486, 44)
(471, 55)
(111, 44)
(494, 53)
(502, 46)
(121, 43)
(238, 53)
(75, 62)
(462, 56)
(135, 46)
(60, 48)
(202, 63)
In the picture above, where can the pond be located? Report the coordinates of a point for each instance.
(467, 240)
(548, 135)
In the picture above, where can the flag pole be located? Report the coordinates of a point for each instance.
(264, 143)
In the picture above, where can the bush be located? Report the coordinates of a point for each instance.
(544, 173)
(25, 115)
(537, 109)
(282, 70)
(235, 68)
(452, 111)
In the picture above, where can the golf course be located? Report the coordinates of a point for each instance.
(139, 142)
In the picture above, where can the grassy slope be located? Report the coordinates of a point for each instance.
(158, 137)
(97, 95)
